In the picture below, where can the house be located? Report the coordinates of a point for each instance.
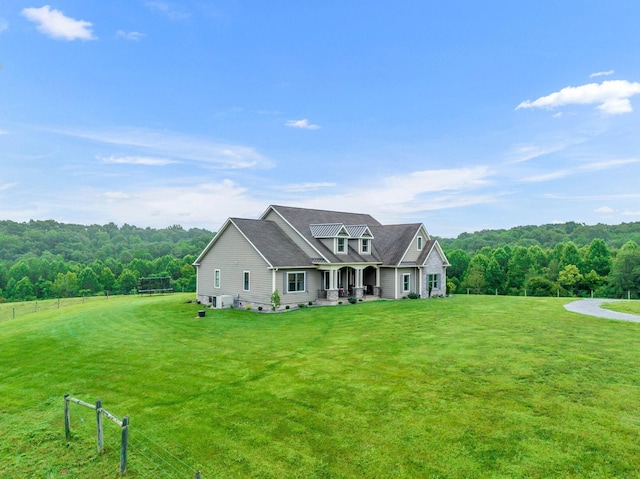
(317, 255)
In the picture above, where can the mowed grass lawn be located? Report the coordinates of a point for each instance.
(463, 387)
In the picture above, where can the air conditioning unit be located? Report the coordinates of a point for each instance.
(224, 301)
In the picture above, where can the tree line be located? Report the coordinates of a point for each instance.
(564, 270)
(47, 259)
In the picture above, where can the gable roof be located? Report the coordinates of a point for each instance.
(278, 249)
(392, 241)
(271, 242)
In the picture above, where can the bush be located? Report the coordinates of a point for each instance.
(287, 307)
(259, 308)
(310, 303)
(413, 295)
(248, 308)
(302, 305)
(352, 300)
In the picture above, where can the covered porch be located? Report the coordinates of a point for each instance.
(356, 281)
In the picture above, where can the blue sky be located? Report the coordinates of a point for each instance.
(463, 115)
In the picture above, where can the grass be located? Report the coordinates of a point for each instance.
(464, 387)
(631, 307)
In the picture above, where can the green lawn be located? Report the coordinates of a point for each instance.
(463, 387)
(631, 307)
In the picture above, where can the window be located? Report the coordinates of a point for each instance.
(216, 278)
(245, 281)
(365, 246)
(419, 243)
(434, 281)
(341, 245)
(295, 282)
(406, 282)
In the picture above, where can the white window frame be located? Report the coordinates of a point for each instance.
(419, 243)
(406, 282)
(216, 278)
(344, 245)
(363, 242)
(246, 281)
(434, 281)
(304, 282)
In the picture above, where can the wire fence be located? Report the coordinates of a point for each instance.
(24, 308)
(146, 457)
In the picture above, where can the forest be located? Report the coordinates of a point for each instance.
(47, 259)
(568, 259)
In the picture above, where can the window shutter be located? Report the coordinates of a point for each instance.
(284, 282)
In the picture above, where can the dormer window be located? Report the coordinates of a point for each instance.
(341, 245)
(365, 246)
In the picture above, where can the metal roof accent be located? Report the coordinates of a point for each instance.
(329, 230)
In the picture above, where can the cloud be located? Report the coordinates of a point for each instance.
(4, 25)
(300, 187)
(630, 213)
(605, 210)
(170, 10)
(601, 74)
(55, 24)
(522, 153)
(137, 160)
(162, 144)
(6, 186)
(304, 124)
(612, 97)
(596, 166)
(134, 36)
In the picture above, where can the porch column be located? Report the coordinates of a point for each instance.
(359, 290)
(332, 292)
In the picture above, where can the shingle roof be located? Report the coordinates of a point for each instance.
(393, 240)
(302, 218)
(270, 240)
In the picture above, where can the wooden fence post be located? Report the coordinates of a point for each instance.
(67, 418)
(124, 444)
(99, 425)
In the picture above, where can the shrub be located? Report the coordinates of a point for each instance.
(259, 308)
(310, 303)
(275, 300)
(247, 307)
(287, 307)
(339, 302)
(352, 300)
(302, 305)
(413, 295)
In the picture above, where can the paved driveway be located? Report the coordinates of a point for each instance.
(592, 307)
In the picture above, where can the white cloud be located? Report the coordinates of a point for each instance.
(168, 9)
(4, 25)
(137, 160)
(55, 24)
(6, 186)
(631, 213)
(522, 153)
(135, 36)
(596, 166)
(151, 143)
(300, 187)
(605, 210)
(612, 97)
(601, 74)
(304, 124)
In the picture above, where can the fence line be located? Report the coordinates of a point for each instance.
(149, 455)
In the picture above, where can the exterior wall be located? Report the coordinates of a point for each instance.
(313, 284)
(291, 233)
(387, 282)
(232, 255)
(413, 253)
(434, 265)
(413, 285)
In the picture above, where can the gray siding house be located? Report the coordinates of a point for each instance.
(317, 255)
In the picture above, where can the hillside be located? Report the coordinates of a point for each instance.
(545, 236)
(84, 244)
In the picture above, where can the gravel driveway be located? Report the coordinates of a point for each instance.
(592, 307)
